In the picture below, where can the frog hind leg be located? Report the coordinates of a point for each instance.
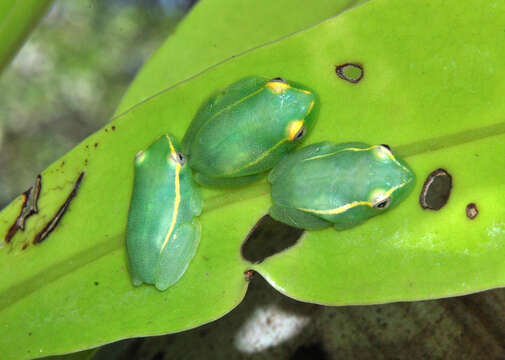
(297, 218)
(177, 254)
(220, 182)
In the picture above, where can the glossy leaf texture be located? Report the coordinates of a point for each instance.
(70, 285)
(17, 18)
(431, 90)
(201, 42)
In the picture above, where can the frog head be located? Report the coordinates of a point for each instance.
(296, 114)
(390, 178)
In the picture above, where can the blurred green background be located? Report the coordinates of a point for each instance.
(69, 76)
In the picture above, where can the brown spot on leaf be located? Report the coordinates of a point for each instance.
(51, 225)
(436, 190)
(249, 274)
(29, 207)
(113, 128)
(472, 211)
(95, 145)
(352, 72)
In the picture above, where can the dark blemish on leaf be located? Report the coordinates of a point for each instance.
(29, 207)
(24, 246)
(96, 145)
(106, 130)
(86, 162)
(96, 283)
(51, 225)
(62, 163)
(472, 211)
(113, 128)
(87, 146)
(268, 237)
(29, 334)
(351, 72)
(249, 274)
(436, 190)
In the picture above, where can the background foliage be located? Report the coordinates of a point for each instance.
(68, 78)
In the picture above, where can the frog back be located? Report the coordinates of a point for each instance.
(216, 103)
(163, 198)
(337, 183)
(246, 129)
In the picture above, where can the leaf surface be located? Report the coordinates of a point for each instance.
(431, 89)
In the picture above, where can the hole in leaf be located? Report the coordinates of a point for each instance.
(472, 211)
(350, 72)
(268, 237)
(436, 190)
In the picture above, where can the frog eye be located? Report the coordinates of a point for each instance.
(179, 158)
(300, 134)
(382, 203)
(279, 79)
(296, 130)
(382, 152)
(277, 85)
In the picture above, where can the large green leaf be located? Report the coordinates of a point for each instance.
(17, 18)
(431, 90)
(72, 283)
(219, 29)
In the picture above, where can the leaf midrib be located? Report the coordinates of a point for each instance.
(212, 203)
